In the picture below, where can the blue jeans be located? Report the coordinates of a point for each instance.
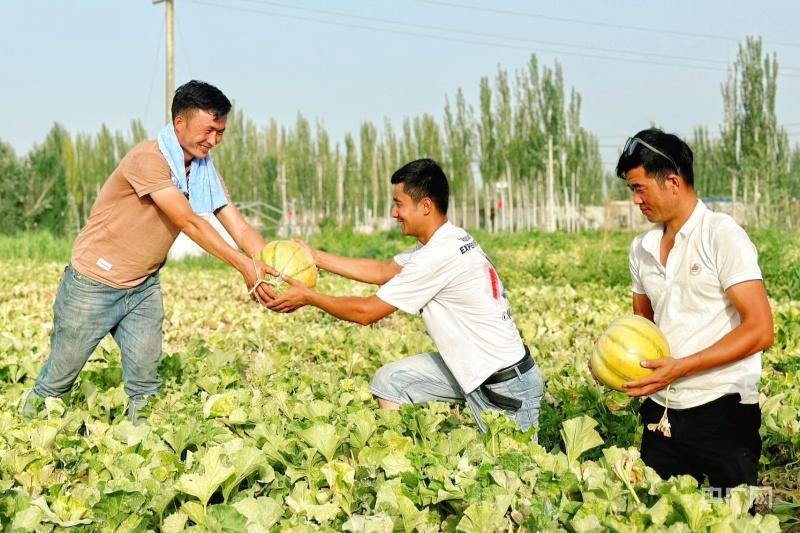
(84, 312)
(425, 377)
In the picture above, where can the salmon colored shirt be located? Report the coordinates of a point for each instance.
(127, 237)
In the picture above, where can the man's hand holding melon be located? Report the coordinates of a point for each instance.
(632, 356)
(293, 261)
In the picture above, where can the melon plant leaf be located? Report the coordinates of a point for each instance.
(659, 511)
(485, 516)
(392, 498)
(693, 507)
(175, 523)
(219, 405)
(261, 513)
(378, 523)
(303, 501)
(202, 486)
(179, 436)
(225, 518)
(117, 507)
(67, 512)
(195, 511)
(396, 463)
(339, 475)
(579, 436)
(323, 437)
(245, 462)
(27, 519)
(362, 425)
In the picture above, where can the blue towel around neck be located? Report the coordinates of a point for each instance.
(204, 189)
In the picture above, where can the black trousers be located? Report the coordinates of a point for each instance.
(718, 440)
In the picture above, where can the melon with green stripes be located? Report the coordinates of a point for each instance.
(626, 343)
(291, 259)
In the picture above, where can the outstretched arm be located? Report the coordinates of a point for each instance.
(372, 271)
(246, 237)
(176, 207)
(362, 310)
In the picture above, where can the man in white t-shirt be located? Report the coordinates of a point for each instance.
(449, 281)
(696, 275)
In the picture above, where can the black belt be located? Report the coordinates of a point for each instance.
(523, 365)
(506, 402)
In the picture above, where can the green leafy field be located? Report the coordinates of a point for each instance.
(265, 421)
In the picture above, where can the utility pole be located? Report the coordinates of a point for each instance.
(170, 4)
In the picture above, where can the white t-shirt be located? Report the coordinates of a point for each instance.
(462, 301)
(711, 253)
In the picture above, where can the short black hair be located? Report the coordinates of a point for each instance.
(200, 95)
(656, 164)
(424, 177)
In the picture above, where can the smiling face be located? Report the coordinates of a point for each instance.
(198, 132)
(657, 201)
(407, 212)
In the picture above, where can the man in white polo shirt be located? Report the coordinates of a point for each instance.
(447, 278)
(696, 275)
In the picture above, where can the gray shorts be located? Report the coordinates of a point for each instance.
(425, 377)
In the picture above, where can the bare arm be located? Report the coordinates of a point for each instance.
(642, 306)
(364, 270)
(362, 310)
(753, 334)
(176, 207)
(246, 237)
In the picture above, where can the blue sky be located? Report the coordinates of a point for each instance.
(88, 62)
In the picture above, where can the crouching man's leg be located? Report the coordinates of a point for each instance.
(425, 377)
(525, 390)
(417, 379)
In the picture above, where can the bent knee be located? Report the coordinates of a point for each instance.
(384, 385)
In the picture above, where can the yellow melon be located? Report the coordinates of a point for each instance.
(626, 343)
(291, 259)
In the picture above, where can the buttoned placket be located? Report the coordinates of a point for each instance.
(670, 267)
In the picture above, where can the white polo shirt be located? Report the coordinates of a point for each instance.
(462, 301)
(711, 253)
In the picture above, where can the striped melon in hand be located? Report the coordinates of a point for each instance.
(626, 343)
(291, 259)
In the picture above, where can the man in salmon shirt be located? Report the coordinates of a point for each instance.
(111, 285)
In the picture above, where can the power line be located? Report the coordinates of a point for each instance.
(458, 40)
(155, 65)
(186, 58)
(595, 23)
(495, 35)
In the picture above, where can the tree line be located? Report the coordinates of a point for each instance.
(518, 158)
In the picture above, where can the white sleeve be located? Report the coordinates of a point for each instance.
(735, 256)
(404, 257)
(413, 287)
(633, 266)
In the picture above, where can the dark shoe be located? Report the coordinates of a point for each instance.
(32, 406)
(138, 409)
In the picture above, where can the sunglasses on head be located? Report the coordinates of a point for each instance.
(632, 142)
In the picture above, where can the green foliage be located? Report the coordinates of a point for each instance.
(752, 161)
(298, 169)
(266, 421)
